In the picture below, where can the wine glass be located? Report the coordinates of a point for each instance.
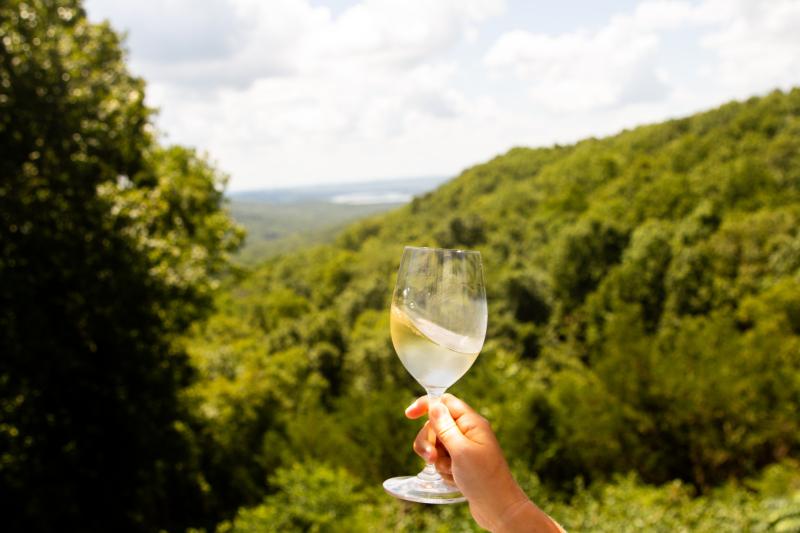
(438, 325)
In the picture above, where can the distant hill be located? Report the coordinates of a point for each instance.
(281, 220)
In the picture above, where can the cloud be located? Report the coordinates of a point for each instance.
(387, 33)
(754, 47)
(174, 31)
(287, 91)
(224, 43)
(757, 44)
(583, 70)
(300, 87)
(215, 43)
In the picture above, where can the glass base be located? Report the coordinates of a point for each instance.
(426, 487)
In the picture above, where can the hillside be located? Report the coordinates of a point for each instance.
(274, 229)
(644, 339)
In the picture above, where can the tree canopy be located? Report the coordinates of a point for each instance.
(109, 246)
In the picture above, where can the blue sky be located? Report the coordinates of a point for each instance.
(291, 92)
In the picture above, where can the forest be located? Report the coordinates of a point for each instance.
(641, 369)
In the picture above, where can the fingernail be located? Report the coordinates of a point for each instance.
(437, 411)
(411, 406)
(426, 451)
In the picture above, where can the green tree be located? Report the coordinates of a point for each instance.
(108, 245)
(313, 497)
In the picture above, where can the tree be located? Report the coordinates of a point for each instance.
(108, 245)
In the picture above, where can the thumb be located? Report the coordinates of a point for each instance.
(446, 429)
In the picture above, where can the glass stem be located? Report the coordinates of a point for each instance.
(429, 473)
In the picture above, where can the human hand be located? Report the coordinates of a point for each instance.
(466, 453)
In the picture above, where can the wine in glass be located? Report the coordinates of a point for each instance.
(438, 325)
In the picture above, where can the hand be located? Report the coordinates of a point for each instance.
(465, 451)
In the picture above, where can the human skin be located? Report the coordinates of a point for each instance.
(466, 453)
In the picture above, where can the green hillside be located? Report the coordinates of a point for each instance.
(276, 228)
(642, 366)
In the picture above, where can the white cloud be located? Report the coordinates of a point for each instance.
(222, 43)
(174, 31)
(302, 87)
(261, 40)
(284, 129)
(758, 44)
(583, 70)
(284, 92)
(385, 33)
(755, 47)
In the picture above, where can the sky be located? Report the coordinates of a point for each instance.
(282, 93)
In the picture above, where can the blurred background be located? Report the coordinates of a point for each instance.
(202, 210)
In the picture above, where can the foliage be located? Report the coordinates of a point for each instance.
(109, 247)
(275, 228)
(627, 505)
(311, 498)
(644, 319)
(315, 497)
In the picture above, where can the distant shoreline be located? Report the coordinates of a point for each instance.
(392, 191)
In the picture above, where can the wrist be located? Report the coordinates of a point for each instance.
(525, 516)
(506, 520)
(508, 498)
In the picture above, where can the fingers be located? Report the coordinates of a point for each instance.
(458, 417)
(472, 425)
(444, 466)
(456, 406)
(423, 447)
(418, 408)
(445, 427)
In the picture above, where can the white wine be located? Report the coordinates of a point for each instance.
(435, 356)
